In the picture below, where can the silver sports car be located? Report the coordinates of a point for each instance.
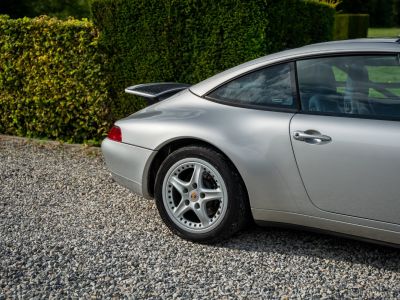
(308, 137)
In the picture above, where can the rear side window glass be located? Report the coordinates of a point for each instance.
(269, 87)
(351, 85)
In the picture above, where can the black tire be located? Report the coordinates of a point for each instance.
(237, 212)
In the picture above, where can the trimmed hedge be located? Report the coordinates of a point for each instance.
(188, 41)
(351, 26)
(51, 80)
(61, 80)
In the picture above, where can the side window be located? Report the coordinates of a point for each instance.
(269, 87)
(356, 85)
(321, 85)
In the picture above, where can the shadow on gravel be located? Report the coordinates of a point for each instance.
(310, 244)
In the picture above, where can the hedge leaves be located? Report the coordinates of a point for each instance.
(51, 80)
(65, 80)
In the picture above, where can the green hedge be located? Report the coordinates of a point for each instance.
(351, 26)
(51, 80)
(61, 80)
(188, 41)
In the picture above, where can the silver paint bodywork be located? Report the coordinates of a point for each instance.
(348, 185)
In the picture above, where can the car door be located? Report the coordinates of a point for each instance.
(346, 141)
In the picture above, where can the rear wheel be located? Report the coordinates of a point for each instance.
(199, 195)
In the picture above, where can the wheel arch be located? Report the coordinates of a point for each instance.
(170, 147)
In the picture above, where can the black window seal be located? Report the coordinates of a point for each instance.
(295, 85)
(253, 106)
(351, 116)
(288, 61)
(305, 57)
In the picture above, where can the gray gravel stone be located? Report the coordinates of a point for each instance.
(68, 231)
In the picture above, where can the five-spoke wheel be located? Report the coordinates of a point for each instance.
(199, 195)
(194, 195)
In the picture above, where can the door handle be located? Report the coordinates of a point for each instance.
(311, 137)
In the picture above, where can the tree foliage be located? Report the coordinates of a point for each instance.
(383, 13)
(54, 8)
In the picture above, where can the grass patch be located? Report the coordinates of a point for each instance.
(383, 32)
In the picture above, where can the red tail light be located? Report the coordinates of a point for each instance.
(115, 134)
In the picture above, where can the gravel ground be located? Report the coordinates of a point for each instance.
(68, 231)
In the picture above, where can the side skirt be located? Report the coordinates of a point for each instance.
(339, 228)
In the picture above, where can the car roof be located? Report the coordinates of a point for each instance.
(335, 47)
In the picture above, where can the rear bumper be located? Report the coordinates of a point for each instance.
(128, 164)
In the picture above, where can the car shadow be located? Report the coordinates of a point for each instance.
(299, 242)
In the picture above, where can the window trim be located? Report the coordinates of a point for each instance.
(351, 116)
(293, 62)
(343, 115)
(277, 108)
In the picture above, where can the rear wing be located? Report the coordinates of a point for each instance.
(155, 92)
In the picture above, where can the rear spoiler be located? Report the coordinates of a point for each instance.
(155, 92)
